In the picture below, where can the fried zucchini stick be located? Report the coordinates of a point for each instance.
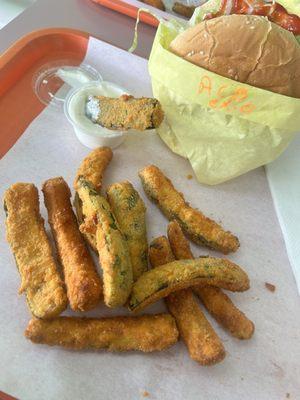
(129, 210)
(203, 344)
(144, 333)
(125, 112)
(84, 286)
(199, 228)
(165, 279)
(91, 169)
(111, 245)
(160, 252)
(93, 166)
(216, 302)
(25, 232)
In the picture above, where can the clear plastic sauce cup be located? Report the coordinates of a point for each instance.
(89, 133)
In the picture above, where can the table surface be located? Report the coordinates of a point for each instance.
(84, 15)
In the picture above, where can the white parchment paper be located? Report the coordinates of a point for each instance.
(264, 368)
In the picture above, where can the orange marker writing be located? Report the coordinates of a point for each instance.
(205, 85)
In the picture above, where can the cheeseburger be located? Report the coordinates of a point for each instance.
(247, 48)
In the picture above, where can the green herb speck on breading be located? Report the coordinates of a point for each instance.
(129, 211)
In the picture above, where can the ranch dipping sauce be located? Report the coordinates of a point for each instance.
(78, 112)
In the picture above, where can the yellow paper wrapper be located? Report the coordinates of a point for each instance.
(225, 128)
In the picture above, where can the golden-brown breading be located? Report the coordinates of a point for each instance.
(89, 237)
(216, 302)
(91, 169)
(200, 229)
(144, 333)
(160, 252)
(93, 166)
(203, 344)
(125, 112)
(219, 305)
(179, 244)
(129, 210)
(184, 10)
(25, 232)
(165, 279)
(84, 286)
(111, 245)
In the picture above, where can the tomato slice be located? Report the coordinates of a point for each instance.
(273, 11)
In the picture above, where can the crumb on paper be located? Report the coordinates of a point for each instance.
(145, 393)
(242, 378)
(270, 287)
(287, 396)
(189, 176)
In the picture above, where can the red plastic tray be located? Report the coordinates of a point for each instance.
(128, 9)
(18, 102)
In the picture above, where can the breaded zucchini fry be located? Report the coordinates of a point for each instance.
(144, 333)
(168, 278)
(84, 286)
(219, 305)
(125, 112)
(93, 166)
(111, 245)
(184, 10)
(160, 252)
(25, 232)
(91, 169)
(216, 302)
(203, 344)
(89, 237)
(200, 229)
(179, 244)
(129, 210)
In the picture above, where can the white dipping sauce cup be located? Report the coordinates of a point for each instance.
(90, 134)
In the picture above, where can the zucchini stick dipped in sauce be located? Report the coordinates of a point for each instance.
(25, 232)
(125, 112)
(84, 286)
(129, 210)
(203, 343)
(111, 244)
(145, 333)
(165, 279)
(91, 169)
(217, 303)
(199, 228)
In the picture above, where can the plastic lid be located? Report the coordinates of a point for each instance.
(53, 81)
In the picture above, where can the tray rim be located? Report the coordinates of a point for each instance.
(5, 396)
(7, 72)
(128, 9)
(131, 10)
(23, 41)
